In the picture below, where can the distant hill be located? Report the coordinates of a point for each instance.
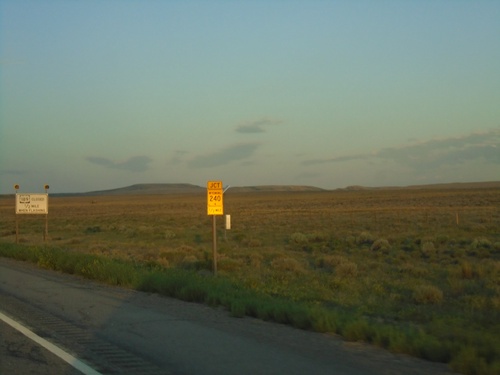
(445, 186)
(273, 188)
(145, 189)
(150, 189)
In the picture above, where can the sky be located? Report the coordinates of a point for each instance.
(101, 94)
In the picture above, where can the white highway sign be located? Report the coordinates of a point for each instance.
(32, 203)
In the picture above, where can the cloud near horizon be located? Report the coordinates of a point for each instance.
(257, 126)
(177, 157)
(225, 156)
(133, 164)
(483, 146)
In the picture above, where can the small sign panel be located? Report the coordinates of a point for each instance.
(32, 204)
(215, 201)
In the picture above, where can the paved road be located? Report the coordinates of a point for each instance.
(121, 331)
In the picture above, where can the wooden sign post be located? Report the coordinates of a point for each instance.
(215, 207)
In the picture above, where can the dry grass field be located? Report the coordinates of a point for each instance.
(417, 260)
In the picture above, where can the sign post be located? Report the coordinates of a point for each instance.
(46, 234)
(16, 187)
(215, 207)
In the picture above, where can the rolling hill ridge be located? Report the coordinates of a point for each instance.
(185, 188)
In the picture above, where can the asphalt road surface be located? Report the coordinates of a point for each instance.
(21, 355)
(120, 331)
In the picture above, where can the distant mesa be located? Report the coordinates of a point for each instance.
(355, 188)
(274, 188)
(145, 189)
(182, 188)
(444, 186)
(150, 189)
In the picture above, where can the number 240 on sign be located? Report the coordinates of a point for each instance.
(215, 198)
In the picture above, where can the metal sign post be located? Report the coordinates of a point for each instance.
(16, 187)
(215, 207)
(214, 245)
(46, 233)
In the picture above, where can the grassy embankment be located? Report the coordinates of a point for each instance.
(416, 272)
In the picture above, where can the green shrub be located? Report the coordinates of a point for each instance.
(427, 294)
(252, 242)
(168, 235)
(287, 264)
(408, 244)
(481, 243)
(381, 245)
(230, 265)
(365, 238)
(412, 269)
(329, 262)
(323, 320)
(466, 270)
(431, 348)
(467, 361)
(358, 330)
(237, 309)
(298, 238)
(255, 260)
(428, 248)
(318, 237)
(347, 269)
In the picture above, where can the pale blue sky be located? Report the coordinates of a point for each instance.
(103, 94)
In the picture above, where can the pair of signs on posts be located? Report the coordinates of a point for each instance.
(39, 203)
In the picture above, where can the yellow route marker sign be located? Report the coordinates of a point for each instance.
(215, 201)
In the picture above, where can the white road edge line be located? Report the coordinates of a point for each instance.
(73, 361)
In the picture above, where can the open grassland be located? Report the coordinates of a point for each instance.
(414, 271)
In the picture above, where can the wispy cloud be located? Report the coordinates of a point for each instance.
(225, 156)
(177, 158)
(336, 159)
(483, 146)
(100, 161)
(449, 151)
(133, 164)
(257, 126)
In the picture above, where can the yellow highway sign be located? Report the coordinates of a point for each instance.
(215, 201)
